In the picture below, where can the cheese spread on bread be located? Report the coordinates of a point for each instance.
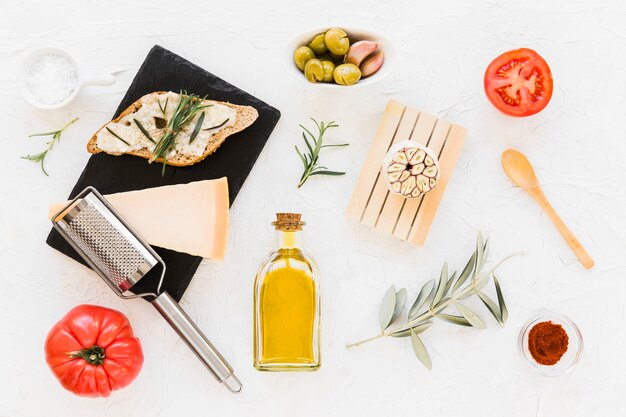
(151, 112)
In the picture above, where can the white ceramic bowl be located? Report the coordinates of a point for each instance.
(81, 81)
(570, 358)
(355, 35)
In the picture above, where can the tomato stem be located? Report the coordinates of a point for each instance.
(94, 355)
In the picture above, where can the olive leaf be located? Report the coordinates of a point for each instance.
(450, 318)
(443, 279)
(420, 350)
(422, 297)
(469, 315)
(417, 329)
(466, 273)
(504, 313)
(400, 301)
(491, 306)
(387, 308)
(449, 283)
(480, 248)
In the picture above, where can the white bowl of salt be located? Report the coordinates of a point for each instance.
(50, 79)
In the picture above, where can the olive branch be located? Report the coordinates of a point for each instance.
(435, 297)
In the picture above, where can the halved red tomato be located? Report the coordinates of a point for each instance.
(519, 82)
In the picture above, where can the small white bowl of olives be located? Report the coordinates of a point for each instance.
(336, 57)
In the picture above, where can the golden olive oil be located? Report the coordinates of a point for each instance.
(286, 304)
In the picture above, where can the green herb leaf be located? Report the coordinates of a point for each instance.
(218, 126)
(466, 273)
(400, 301)
(491, 306)
(116, 135)
(458, 320)
(197, 128)
(387, 308)
(420, 350)
(421, 299)
(449, 283)
(335, 146)
(443, 279)
(143, 130)
(323, 172)
(504, 312)
(417, 329)
(469, 315)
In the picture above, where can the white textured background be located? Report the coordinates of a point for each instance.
(577, 145)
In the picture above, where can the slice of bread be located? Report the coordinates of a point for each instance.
(246, 115)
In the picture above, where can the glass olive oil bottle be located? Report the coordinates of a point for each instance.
(287, 304)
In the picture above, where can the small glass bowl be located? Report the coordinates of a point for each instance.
(574, 348)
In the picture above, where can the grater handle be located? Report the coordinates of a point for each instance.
(197, 341)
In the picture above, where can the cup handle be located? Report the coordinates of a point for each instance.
(101, 80)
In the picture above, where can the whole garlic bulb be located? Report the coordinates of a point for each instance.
(410, 169)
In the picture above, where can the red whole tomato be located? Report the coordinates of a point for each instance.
(92, 351)
(519, 82)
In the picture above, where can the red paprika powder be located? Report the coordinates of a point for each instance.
(547, 342)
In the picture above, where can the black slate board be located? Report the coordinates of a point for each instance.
(164, 70)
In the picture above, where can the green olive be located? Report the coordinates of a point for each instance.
(329, 68)
(337, 41)
(347, 74)
(318, 45)
(302, 55)
(314, 70)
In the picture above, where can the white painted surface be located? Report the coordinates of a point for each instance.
(577, 145)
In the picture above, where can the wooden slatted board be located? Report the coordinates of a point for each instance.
(373, 205)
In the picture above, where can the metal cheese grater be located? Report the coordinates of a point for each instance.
(121, 257)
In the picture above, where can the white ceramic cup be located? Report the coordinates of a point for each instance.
(82, 81)
(355, 34)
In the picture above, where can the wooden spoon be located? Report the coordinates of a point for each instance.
(519, 170)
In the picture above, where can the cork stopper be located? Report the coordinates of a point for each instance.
(288, 222)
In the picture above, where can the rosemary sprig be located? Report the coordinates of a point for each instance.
(310, 159)
(56, 135)
(435, 297)
(186, 110)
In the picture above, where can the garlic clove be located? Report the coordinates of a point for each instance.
(394, 176)
(396, 167)
(429, 161)
(416, 191)
(417, 169)
(395, 187)
(409, 152)
(418, 157)
(433, 182)
(425, 183)
(359, 51)
(431, 171)
(400, 157)
(411, 183)
(404, 176)
(372, 64)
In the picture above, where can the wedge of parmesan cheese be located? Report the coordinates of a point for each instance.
(190, 218)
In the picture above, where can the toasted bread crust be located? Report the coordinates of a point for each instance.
(246, 115)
